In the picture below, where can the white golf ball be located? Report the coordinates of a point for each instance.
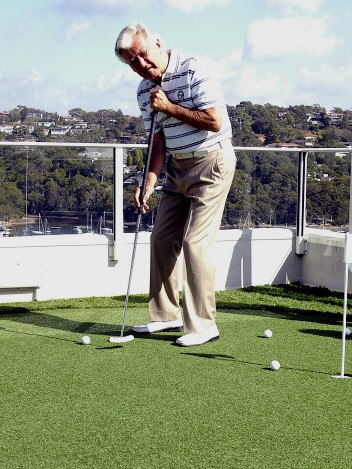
(268, 333)
(347, 331)
(85, 340)
(275, 365)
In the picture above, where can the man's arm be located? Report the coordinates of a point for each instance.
(155, 168)
(204, 119)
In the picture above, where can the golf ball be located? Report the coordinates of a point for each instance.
(347, 331)
(85, 340)
(268, 333)
(275, 365)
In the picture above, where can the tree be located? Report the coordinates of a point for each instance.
(329, 138)
(138, 159)
(12, 203)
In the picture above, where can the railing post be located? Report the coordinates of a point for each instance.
(301, 242)
(350, 211)
(118, 202)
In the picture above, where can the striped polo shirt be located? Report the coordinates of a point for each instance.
(185, 82)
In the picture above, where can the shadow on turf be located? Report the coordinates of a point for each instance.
(296, 291)
(159, 336)
(280, 312)
(218, 356)
(292, 291)
(39, 335)
(36, 334)
(25, 316)
(324, 333)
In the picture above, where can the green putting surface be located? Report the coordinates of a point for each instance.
(150, 404)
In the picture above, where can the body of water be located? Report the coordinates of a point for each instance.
(54, 226)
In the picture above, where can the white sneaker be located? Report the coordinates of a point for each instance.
(199, 338)
(159, 326)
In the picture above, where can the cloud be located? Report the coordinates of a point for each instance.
(31, 77)
(263, 88)
(327, 82)
(195, 5)
(327, 85)
(106, 7)
(19, 28)
(302, 36)
(92, 7)
(225, 67)
(74, 29)
(117, 91)
(295, 7)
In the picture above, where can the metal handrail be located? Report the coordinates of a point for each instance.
(144, 145)
(301, 242)
(71, 144)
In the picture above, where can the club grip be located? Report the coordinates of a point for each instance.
(149, 155)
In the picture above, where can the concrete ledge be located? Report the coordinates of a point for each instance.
(323, 265)
(8, 289)
(53, 240)
(327, 237)
(78, 265)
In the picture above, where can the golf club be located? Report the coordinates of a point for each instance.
(121, 338)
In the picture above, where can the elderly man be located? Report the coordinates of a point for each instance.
(194, 132)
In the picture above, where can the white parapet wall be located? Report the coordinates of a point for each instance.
(323, 265)
(257, 256)
(73, 266)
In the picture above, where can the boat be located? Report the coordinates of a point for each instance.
(4, 231)
(89, 228)
(47, 229)
(40, 230)
(105, 230)
(77, 230)
(151, 226)
(102, 228)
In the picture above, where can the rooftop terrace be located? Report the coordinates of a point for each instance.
(149, 405)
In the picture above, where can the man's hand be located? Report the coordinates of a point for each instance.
(155, 167)
(159, 101)
(136, 193)
(204, 119)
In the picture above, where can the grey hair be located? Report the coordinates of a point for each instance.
(126, 36)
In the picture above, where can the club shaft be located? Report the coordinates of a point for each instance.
(139, 217)
(131, 273)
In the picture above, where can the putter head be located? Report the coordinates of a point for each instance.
(120, 339)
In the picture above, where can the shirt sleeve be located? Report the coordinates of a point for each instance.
(206, 90)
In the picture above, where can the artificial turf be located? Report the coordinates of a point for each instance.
(148, 404)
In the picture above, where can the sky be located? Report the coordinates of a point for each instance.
(57, 55)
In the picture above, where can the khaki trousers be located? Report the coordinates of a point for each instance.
(189, 218)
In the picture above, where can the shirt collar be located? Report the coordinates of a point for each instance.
(171, 66)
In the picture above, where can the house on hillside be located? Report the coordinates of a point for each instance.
(45, 123)
(80, 125)
(335, 118)
(34, 116)
(283, 114)
(6, 128)
(4, 117)
(308, 140)
(315, 118)
(283, 145)
(59, 131)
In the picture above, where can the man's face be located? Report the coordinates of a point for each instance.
(149, 61)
